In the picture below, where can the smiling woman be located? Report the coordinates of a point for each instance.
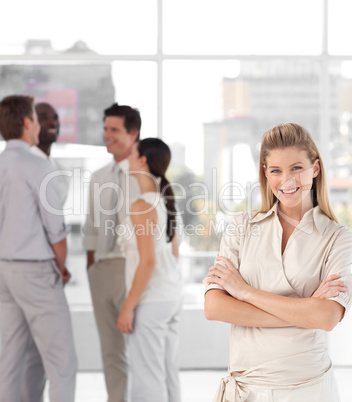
(290, 175)
(293, 149)
(293, 281)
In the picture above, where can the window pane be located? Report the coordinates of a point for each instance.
(106, 27)
(80, 93)
(217, 111)
(340, 29)
(136, 85)
(242, 27)
(340, 141)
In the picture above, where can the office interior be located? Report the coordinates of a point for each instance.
(209, 78)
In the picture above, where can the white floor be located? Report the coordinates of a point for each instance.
(197, 386)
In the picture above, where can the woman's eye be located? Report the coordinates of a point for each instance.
(297, 168)
(275, 171)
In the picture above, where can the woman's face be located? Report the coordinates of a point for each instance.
(290, 175)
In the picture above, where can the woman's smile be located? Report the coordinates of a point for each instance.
(289, 191)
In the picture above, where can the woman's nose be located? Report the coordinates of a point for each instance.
(289, 180)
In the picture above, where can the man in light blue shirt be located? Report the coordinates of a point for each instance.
(32, 260)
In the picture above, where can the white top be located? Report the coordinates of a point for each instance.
(318, 248)
(95, 230)
(165, 283)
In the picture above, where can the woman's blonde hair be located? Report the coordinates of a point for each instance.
(293, 135)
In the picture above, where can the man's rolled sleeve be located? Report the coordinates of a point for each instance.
(56, 237)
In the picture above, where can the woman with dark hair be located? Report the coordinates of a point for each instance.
(151, 310)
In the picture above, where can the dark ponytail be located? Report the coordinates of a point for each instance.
(166, 190)
(158, 156)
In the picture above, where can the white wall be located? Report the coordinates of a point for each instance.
(203, 344)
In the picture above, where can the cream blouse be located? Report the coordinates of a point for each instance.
(318, 247)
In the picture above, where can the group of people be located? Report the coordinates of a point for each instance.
(282, 287)
(135, 281)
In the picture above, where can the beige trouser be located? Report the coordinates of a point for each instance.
(33, 306)
(107, 284)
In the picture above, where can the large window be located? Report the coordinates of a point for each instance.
(209, 77)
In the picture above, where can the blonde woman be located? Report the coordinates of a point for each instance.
(282, 279)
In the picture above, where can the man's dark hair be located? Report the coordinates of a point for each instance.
(132, 118)
(13, 110)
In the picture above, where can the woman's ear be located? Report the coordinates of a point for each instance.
(265, 171)
(316, 167)
(143, 160)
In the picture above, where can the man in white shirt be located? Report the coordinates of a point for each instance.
(32, 261)
(49, 126)
(48, 119)
(34, 377)
(110, 191)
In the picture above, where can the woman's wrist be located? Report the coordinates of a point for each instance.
(129, 304)
(247, 293)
